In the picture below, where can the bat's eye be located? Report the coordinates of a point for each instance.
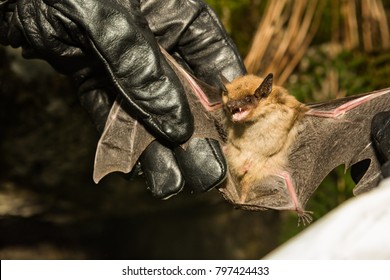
(248, 99)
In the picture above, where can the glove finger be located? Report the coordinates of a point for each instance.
(10, 27)
(209, 51)
(94, 95)
(127, 49)
(115, 34)
(161, 171)
(193, 29)
(202, 164)
(385, 169)
(380, 132)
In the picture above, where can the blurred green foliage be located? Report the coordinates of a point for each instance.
(355, 72)
(240, 18)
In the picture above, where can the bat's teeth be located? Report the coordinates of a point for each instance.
(239, 115)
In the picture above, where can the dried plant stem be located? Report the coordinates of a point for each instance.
(270, 24)
(367, 25)
(303, 39)
(351, 36)
(291, 31)
(289, 26)
(383, 24)
(278, 49)
(374, 25)
(335, 30)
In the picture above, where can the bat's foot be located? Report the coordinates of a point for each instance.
(304, 217)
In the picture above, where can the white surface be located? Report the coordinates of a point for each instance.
(357, 229)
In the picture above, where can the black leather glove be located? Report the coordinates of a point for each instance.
(110, 47)
(380, 134)
(380, 131)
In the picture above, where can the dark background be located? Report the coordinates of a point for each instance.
(51, 209)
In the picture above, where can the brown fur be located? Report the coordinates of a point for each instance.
(258, 145)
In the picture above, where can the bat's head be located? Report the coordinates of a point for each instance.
(244, 94)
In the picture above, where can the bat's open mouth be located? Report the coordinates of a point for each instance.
(239, 114)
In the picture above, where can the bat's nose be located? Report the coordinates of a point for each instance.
(231, 106)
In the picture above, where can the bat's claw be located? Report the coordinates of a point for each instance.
(304, 217)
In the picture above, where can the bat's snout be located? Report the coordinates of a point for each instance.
(238, 110)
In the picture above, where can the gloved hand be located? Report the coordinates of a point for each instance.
(380, 132)
(110, 47)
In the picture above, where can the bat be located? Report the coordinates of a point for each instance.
(262, 124)
(278, 150)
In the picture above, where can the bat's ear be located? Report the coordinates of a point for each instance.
(223, 82)
(265, 88)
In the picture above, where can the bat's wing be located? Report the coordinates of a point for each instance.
(122, 142)
(268, 193)
(337, 133)
(125, 138)
(330, 134)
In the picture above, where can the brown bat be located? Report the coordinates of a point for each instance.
(262, 125)
(278, 149)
